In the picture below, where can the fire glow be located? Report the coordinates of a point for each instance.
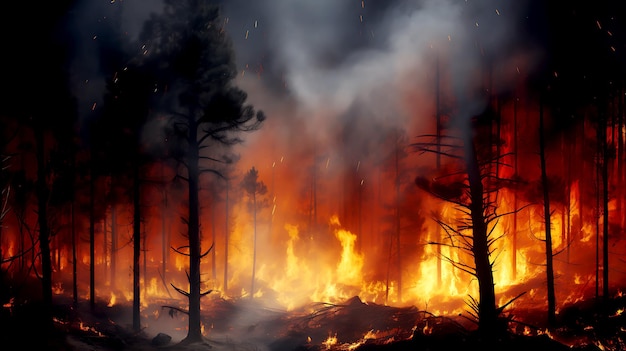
(343, 216)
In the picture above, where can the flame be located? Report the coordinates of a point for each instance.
(330, 341)
(57, 288)
(112, 300)
(333, 235)
(351, 263)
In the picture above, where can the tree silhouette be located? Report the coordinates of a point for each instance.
(546, 214)
(470, 187)
(206, 113)
(254, 189)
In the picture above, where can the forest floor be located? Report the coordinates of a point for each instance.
(245, 325)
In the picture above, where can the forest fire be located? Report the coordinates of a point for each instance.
(431, 169)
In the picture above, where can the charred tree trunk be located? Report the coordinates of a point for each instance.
(44, 231)
(605, 208)
(226, 236)
(598, 167)
(73, 231)
(397, 229)
(515, 198)
(194, 333)
(213, 233)
(487, 311)
(438, 132)
(105, 248)
(164, 232)
(254, 246)
(546, 208)
(620, 158)
(92, 233)
(136, 247)
(74, 255)
(113, 246)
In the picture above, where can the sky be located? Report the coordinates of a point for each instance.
(344, 70)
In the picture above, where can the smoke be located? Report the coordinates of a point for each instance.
(343, 74)
(340, 65)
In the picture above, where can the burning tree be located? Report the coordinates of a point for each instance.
(472, 188)
(5, 190)
(254, 189)
(206, 112)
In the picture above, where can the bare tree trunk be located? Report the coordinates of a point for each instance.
(213, 258)
(105, 248)
(144, 249)
(605, 207)
(136, 247)
(597, 211)
(487, 311)
(92, 234)
(439, 130)
(620, 159)
(515, 197)
(44, 230)
(254, 247)
(226, 236)
(398, 250)
(164, 232)
(74, 256)
(113, 246)
(195, 324)
(548, 239)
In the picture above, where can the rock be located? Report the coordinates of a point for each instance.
(161, 339)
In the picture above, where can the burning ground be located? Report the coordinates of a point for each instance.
(350, 325)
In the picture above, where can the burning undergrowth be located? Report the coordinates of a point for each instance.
(353, 324)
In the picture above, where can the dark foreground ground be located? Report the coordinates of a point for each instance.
(242, 325)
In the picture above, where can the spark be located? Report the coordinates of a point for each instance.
(449, 37)
(476, 24)
(498, 12)
(247, 32)
(619, 312)
(598, 24)
(361, 18)
(93, 107)
(362, 4)
(256, 24)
